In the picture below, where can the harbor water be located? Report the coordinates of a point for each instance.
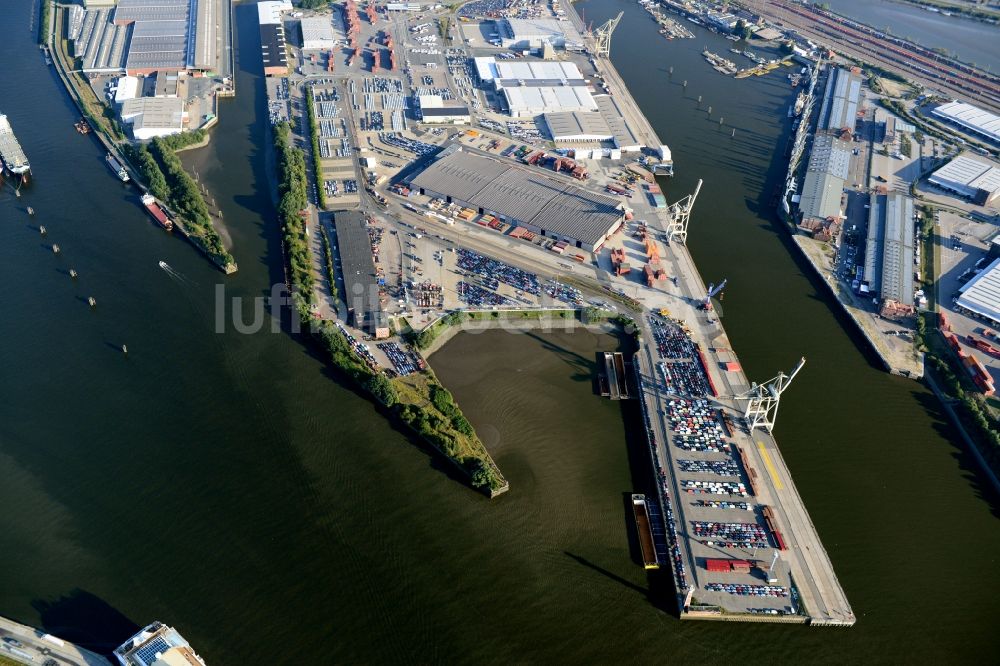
(231, 485)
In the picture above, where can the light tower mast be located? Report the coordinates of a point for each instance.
(762, 408)
(678, 216)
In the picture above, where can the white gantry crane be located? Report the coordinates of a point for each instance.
(678, 216)
(602, 36)
(762, 405)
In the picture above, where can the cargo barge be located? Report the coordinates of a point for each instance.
(157, 212)
(642, 525)
(12, 157)
(117, 168)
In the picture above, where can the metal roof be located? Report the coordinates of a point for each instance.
(843, 92)
(967, 175)
(521, 194)
(541, 99)
(443, 111)
(981, 294)
(971, 117)
(897, 249)
(606, 124)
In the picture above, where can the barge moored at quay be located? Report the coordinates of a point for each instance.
(12, 156)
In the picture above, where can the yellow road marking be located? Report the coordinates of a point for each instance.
(770, 467)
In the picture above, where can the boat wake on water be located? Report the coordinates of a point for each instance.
(176, 275)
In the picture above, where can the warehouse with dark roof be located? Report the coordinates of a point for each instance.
(358, 269)
(542, 202)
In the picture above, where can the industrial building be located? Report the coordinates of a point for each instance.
(976, 121)
(531, 33)
(361, 285)
(841, 101)
(150, 117)
(530, 88)
(542, 202)
(272, 36)
(489, 70)
(526, 100)
(125, 88)
(169, 34)
(826, 174)
(144, 36)
(434, 111)
(896, 284)
(974, 179)
(980, 296)
(604, 127)
(317, 33)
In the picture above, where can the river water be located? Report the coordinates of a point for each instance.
(964, 38)
(228, 484)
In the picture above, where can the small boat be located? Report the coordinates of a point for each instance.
(31, 211)
(72, 273)
(55, 248)
(92, 301)
(124, 349)
(42, 230)
(163, 265)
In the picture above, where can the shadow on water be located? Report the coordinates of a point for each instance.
(85, 619)
(967, 463)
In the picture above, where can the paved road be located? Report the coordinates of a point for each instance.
(27, 645)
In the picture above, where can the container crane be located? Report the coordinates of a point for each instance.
(713, 289)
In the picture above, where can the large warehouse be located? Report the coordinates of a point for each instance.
(150, 117)
(606, 125)
(980, 296)
(169, 35)
(974, 179)
(542, 202)
(841, 101)
(317, 33)
(526, 100)
(531, 33)
(272, 36)
(977, 121)
(531, 88)
(360, 281)
(897, 250)
(825, 178)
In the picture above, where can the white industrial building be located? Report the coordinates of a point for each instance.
(974, 179)
(151, 117)
(434, 111)
(604, 127)
(269, 11)
(980, 296)
(489, 69)
(531, 33)
(126, 87)
(536, 87)
(317, 33)
(977, 121)
(532, 101)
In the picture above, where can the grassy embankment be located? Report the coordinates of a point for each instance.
(418, 400)
(168, 181)
(44, 20)
(314, 142)
(101, 117)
